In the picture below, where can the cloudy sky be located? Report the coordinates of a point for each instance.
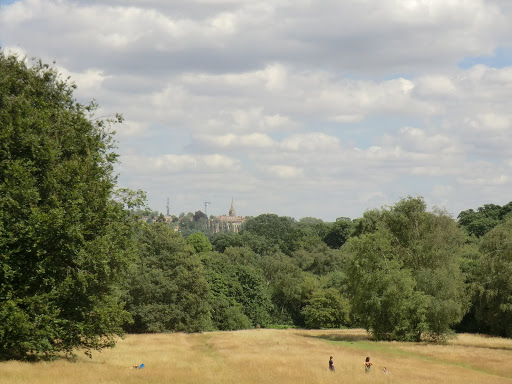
(321, 108)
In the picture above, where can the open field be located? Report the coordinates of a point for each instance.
(275, 356)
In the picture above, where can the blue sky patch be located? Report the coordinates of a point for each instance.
(6, 2)
(501, 58)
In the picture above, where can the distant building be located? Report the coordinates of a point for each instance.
(226, 223)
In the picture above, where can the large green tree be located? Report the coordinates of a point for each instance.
(278, 231)
(167, 290)
(225, 292)
(199, 242)
(404, 272)
(493, 303)
(326, 308)
(339, 232)
(238, 293)
(221, 241)
(290, 288)
(65, 240)
(382, 291)
(485, 218)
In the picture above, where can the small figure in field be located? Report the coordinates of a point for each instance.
(385, 370)
(331, 364)
(367, 365)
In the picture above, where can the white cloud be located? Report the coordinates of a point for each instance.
(236, 142)
(485, 181)
(418, 141)
(247, 120)
(286, 171)
(131, 128)
(18, 12)
(14, 50)
(442, 190)
(315, 142)
(90, 81)
(276, 77)
(492, 122)
(179, 163)
(348, 36)
(224, 23)
(435, 86)
(301, 108)
(348, 118)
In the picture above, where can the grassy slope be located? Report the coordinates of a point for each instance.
(276, 356)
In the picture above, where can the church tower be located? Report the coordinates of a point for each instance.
(227, 223)
(232, 211)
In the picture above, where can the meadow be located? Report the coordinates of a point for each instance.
(275, 356)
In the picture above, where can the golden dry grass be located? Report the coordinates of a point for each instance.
(275, 356)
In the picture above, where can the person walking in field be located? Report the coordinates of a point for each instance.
(331, 364)
(367, 365)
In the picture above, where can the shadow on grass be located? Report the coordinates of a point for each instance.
(31, 357)
(348, 337)
(366, 338)
(35, 358)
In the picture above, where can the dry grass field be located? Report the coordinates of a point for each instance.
(275, 356)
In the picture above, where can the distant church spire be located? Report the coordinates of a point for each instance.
(232, 211)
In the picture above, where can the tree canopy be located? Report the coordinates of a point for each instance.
(485, 218)
(494, 293)
(65, 239)
(404, 272)
(167, 290)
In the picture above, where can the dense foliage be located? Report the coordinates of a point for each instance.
(401, 272)
(166, 290)
(493, 297)
(404, 272)
(485, 218)
(65, 239)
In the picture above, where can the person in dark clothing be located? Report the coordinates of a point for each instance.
(331, 364)
(367, 365)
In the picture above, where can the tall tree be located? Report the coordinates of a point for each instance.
(326, 308)
(65, 241)
(290, 288)
(339, 232)
(485, 218)
(280, 231)
(494, 295)
(199, 242)
(198, 216)
(221, 241)
(404, 271)
(225, 292)
(167, 291)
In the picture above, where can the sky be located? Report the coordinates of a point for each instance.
(301, 108)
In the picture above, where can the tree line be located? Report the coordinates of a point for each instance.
(78, 266)
(401, 272)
